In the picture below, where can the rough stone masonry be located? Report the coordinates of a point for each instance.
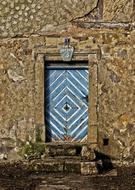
(30, 27)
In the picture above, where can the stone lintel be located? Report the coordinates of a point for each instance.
(105, 25)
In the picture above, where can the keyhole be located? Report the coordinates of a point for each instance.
(66, 107)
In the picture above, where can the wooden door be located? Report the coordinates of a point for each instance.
(66, 109)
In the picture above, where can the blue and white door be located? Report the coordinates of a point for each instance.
(66, 111)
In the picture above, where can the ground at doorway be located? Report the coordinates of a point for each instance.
(17, 177)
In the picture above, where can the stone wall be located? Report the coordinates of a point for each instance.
(117, 94)
(25, 17)
(33, 26)
(16, 95)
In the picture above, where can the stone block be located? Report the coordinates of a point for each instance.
(72, 167)
(92, 58)
(88, 168)
(46, 166)
(59, 151)
(120, 11)
(37, 41)
(88, 153)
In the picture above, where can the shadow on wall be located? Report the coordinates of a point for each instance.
(103, 163)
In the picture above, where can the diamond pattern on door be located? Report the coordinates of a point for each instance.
(66, 112)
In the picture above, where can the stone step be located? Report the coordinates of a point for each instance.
(59, 165)
(62, 149)
(81, 182)
(69, 149)
(64, 158)
(53, 187)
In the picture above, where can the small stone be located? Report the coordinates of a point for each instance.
(33, 10)
(26, 20)
(38, 19)
(2, 28)
(14, 76)
(27, 8)
(33, 5)
(38, 7)
(3, 2)
(122, 53)
(5, 34)
(12, 34)
(22, 6)
(12, 4)
(47, 28)
(14, 22)
(17, 8)
(114, 77)
(40, 13)
(20, 12)
(30, 1)
(8, 25)
(2, 66)
(20, 19)
(6, 9)
(71, 151)
(9, 18)
(3, 157)
(31, 17)
(16, 16)
(15, 29)
(12, 12)
(26, 14)
(3, 20)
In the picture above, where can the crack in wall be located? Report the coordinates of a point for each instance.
(134, 9)
(94, 14)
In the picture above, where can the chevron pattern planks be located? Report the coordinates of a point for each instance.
(66, 109)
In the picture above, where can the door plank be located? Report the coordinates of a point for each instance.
(67, 104)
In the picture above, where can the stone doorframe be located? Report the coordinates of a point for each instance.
(93, 58)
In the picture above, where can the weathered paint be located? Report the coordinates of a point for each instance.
(66, 111)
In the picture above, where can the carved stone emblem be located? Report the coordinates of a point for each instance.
(67, 53)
